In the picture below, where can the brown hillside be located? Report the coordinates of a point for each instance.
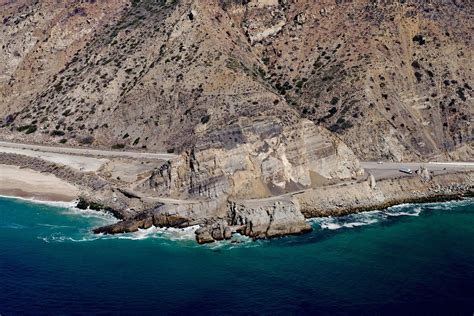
(393, 81)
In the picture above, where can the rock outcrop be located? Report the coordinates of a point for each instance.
(256, 159)
(357, 197)
(257, 219)
(266, 219)
(215, 232)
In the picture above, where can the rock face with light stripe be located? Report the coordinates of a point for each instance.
(256, 159)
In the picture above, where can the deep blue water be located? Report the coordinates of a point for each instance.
(410, 259)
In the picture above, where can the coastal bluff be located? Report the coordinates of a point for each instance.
(206, 189)
(358, 197)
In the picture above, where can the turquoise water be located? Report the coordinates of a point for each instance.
(416, 259)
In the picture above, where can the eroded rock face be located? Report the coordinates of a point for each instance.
(270, 219)
(189, 213)
(264, 219)
(263, 19)
(254, 159)
(338, 200)
(215, 232)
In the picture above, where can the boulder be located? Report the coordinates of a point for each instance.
(227, 233)
(203, 235)
(424, 173)
(214, 232)
(300, 18)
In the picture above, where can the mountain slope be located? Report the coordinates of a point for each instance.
(392, 81)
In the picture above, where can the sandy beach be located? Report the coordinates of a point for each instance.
(30, 184)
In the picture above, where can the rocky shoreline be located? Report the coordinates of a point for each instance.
(222, 215)
(287, 215)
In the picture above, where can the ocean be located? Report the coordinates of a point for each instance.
(410, 259)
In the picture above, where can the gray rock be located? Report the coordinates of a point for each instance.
(276, 218)
(227, 233)
(203, 235)
(424, 173)
(371, 180)
(300, 18)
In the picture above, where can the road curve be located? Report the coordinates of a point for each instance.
(90, 152)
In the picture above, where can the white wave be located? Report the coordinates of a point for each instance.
(108, 217)
(401, 206)
(336, 225)
(413, 211)
(54, 226)
(331, 226)
(173, 234)
(170, 233)
(59, 237)
(449, 204)
(12, 226)
(348, 221)
(237, 241)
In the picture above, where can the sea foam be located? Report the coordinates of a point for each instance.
(348, 221)
(372, 217)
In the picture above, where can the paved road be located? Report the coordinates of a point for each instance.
(89, 152)
(392, 169)
(82, 163)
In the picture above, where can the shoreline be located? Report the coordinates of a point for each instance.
(382, 194)
(425, 200)
(63, 204)
(29, 184)
(384, 206)
(25, 196)
(258, 219)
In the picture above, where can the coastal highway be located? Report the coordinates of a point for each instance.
(82, 159)
(91, 159)
(87, 151)
(382, 170)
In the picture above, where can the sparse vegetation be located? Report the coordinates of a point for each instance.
(118, 146)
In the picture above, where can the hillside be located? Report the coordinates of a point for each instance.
(392, 81)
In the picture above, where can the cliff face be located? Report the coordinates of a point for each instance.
(392, 80)
(255, 159)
